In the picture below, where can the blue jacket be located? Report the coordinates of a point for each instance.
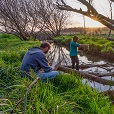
(73, 48)
(35, 59)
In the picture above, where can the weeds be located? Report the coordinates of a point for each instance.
(63, 95)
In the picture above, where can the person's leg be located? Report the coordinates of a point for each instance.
(77, 62)
(48, 75)
(24, 74)
(73, 61)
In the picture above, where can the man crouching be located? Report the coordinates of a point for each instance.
(36, 60)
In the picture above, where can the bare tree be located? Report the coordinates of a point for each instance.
(56, 20)
(19, 17)
(91, 12)
(24, 17)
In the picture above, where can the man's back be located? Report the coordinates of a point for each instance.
(35, 59)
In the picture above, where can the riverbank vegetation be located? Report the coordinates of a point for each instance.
(98, 44)
(64, 95)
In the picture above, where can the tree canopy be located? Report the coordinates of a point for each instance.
(91, 12)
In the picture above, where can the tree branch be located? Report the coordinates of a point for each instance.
(91, 13)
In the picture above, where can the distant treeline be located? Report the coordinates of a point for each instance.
(89, 30)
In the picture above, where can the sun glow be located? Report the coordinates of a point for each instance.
(92, 23)
(78, 21)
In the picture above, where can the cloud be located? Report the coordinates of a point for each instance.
(74, 24)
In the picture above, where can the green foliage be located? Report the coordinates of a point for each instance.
(11, 58)
(62, 39)
(63, 95)
(58, 39)
(2, 63)
(97, 44)
(8, 37)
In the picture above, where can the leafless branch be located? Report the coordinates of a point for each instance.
(91, 12)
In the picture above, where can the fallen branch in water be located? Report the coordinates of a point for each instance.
(86, 75)
(101, 75)
(93, 65)
(106, 74)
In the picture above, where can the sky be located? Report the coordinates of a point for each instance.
(76, 19)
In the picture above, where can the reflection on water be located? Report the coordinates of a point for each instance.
(98, 86)
(58, 53)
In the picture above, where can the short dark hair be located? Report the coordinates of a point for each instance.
(45, 44)
(75, 38)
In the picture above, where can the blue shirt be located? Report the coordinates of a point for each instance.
(73, 48)
(35, 59)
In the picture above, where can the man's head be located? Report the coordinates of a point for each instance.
(75, 38)
(45, 46)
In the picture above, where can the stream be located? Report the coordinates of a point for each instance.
(60, 53)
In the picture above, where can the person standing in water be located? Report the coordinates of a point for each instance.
(74, 52)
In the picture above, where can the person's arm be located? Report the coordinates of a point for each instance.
(43, 62)
(75, 44)
(79, 45)
(84, 45)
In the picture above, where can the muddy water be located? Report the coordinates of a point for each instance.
(58, 53)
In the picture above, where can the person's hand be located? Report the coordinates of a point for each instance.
(55, 68)
(50, 64)
(86, 44)
(87, 47)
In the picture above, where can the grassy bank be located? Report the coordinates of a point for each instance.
(97, 44)
(64, 95)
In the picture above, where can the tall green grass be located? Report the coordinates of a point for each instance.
(63, 95)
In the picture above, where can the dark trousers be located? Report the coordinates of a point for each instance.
(75, 60)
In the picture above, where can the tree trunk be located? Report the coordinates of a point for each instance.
(88, 76)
